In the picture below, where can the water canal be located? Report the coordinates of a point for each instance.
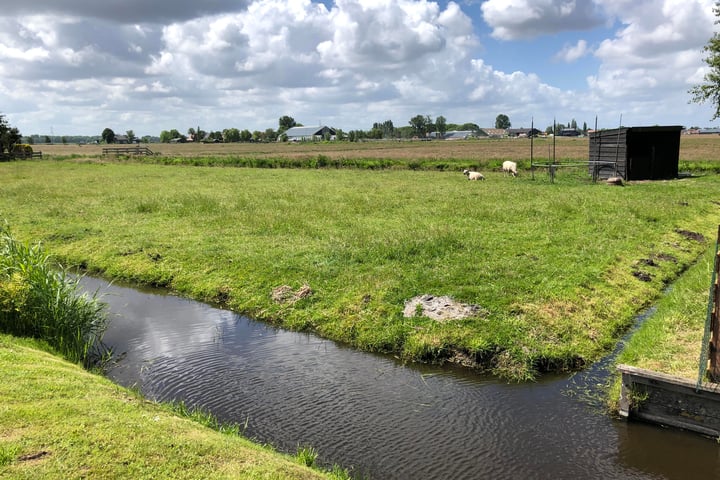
(375, 415)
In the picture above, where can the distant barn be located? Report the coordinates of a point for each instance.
(635, 153)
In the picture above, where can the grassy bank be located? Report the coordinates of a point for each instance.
(58, 421)
(558, 269)
(669, 341)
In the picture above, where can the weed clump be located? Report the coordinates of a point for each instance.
(39, 301)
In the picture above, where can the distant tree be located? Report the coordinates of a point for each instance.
(131, 136)
(285, 123)
(469, 126)
(63, 139)
(165, 136)
(30, 140)
(441, 126)
(710, 90)
(145, 139)
(108, 136)
(550, 130)
(502, 121)
(585, 129)
(231, 135)
(9, 136)
(270, 135)
(48, 139)
(573, 124)
(245, 135)
(419, 124)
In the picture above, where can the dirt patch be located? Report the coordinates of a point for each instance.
(698, 237)
(286, 294)
(440, 309)
(642, 276)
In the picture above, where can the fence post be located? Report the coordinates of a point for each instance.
(714, 351)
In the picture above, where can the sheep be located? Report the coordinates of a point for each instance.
(509, 167)
(473, 175)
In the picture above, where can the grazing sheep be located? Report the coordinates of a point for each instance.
(473, 175)
(510, 167)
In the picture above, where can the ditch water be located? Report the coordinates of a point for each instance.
(376, 416)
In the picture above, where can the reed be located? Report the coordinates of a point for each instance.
(40, 301)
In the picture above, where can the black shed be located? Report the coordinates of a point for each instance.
(635, 153)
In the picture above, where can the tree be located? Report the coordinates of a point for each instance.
(441, 126)
(710, 90)
(9, 136)
(469, 126)
(231, 135)
(108, 135)
(285, 123)
(131, 136)
(502, 121)
(245, 135)
(419, 124)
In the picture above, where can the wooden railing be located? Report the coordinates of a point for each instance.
(137, 150)
(19, 156)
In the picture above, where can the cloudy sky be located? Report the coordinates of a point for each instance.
(75, 67)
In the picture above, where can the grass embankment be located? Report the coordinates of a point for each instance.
(58, 421)
(558, 269)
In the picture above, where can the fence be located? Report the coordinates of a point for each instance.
(19, 156)
(137, 150)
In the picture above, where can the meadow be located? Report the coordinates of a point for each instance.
(558, 270)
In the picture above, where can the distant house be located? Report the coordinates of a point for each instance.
(455, 135)
(121, 139)
(494, 132)
(709, 131)
(523, 132)
(569, 132)
(300, 134)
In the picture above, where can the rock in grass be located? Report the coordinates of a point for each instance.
(440, 309)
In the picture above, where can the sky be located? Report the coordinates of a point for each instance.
(76, 67)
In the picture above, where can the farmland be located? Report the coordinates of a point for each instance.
(558, 271)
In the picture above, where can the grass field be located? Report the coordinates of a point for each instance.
(558, 269)
(693, 148)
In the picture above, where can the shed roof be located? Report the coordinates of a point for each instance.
(307, 131)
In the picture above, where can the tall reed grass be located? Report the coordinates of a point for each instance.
(40, 301)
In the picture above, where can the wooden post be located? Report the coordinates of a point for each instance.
(714, 351)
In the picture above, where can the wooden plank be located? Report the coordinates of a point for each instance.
(667, 400)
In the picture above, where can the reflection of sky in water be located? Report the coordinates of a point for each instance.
(389, 420)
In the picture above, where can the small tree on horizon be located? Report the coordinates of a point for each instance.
(502, 121)
(108, 135)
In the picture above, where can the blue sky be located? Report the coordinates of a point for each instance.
(79, 66)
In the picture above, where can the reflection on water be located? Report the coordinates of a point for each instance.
(380, 417)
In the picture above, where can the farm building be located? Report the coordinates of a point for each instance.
(299, 134)
(635, 153)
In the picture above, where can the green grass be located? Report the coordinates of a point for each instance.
(671, 338)
(58, 421)
(560, 268)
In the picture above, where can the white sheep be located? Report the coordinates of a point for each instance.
(509, 167)
(473, 175)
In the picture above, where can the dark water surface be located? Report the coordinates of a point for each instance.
(371, 413)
